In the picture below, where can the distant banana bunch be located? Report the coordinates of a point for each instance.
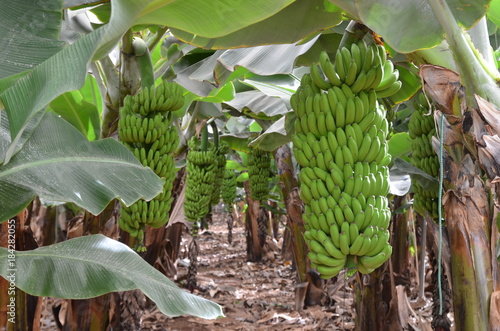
(145, 128)
(421, 129)
(340, 144)
(220, 157)
(201, 173)
(259, 167)
(228, 191)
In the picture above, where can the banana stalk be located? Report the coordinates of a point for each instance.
(144, 62)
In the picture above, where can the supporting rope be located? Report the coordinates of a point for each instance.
(440, 199)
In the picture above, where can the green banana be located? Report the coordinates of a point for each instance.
(317, 78)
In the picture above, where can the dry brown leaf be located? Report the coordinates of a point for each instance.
(177, 214)
(276, 317)
(318, 313)
(76, 227)
(441, 84)
(201, 321)
(490, 114)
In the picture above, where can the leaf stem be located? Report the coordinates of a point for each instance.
(216, 134)
(480, 38)
(204, 138)
(354, 32)
(127, 46)
(144, 62)
(157, 38)
(472, 73)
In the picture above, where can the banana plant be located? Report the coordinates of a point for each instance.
(53, 70)
(447, 43)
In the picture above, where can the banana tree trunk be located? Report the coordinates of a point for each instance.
(92, 314)
(378, 300)
(254, 249)
(470, 144)
(401, 245)
(163, 244)
(309, 289)
(293, 205)
(467, 218)
(24, 304)
(441, 307)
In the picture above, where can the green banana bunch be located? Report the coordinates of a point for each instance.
(201, 173)
(152, 138)
(259, 168)
(361, 67)
(164, 98)
(228, 191)
(220, 156)
(340, 143)
(421, 129)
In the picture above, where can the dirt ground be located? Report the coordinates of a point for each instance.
(254, 296)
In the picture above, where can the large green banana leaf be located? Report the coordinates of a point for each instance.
(297, 21)
(411, 25)
(210, 19)
(66, 70)
(28, 26)
(90, 266)
(59, 164)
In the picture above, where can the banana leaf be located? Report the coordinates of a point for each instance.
(90, 266)
(59, 164)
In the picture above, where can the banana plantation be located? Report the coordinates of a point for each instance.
(249, 165)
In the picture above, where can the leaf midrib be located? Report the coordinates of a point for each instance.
(60, 160)
(125, 272)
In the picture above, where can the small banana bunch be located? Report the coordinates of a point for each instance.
(228, 191)
(220, 159)
(340, 142)
(421, 128)
(148, 133)
(201, 171)
(259, 167)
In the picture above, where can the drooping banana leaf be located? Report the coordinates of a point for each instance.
(411, 25)
(58, 163)
(90, 266)
(75, 109)
(297, 21)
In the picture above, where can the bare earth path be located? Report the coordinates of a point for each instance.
(255, 296)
